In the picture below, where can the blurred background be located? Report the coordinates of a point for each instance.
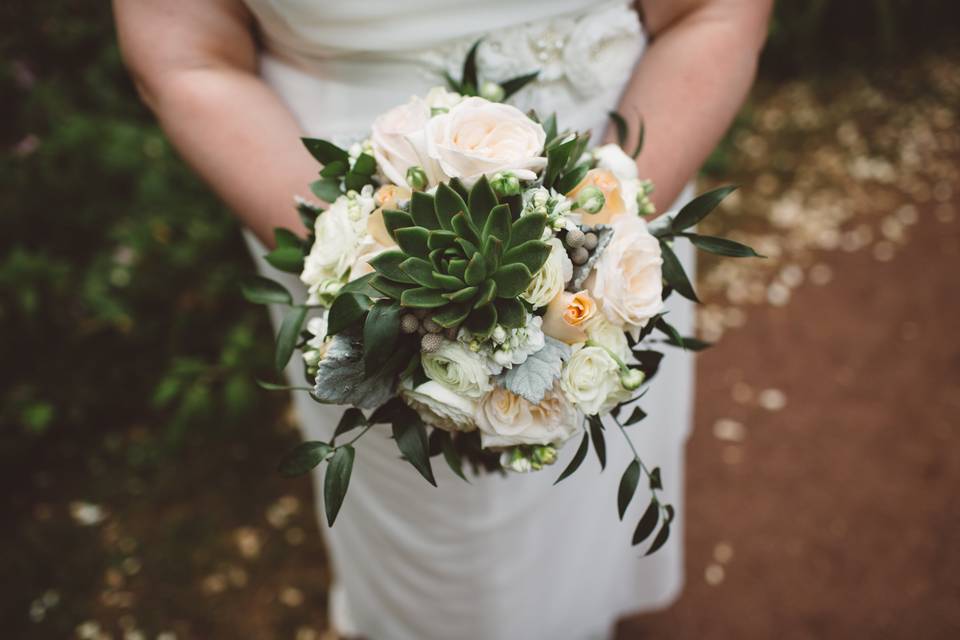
(137, 455)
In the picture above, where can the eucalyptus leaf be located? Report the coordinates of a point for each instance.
(628, 486)
(662, 536)
(260, 290)
(346, 311)
(273, 386)
(648, 522)
(535, 376)
(303, 457)
(411, 437)
(698, 208)
(336, 480)
(327, 189)
(722, 246)
(636, 416)
(655, 483)
(380, 331)
(599, 443)
(324, 150)
(577, 459)
(287, 337)
(351, 419)
(621, 127)
(289, 259)
(450, 454)
(674, 274)
(516, 83)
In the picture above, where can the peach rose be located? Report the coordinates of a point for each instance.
(607, 182)
(567, 316)
(505, 419)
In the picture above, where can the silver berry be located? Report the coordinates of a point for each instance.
(575, 238)
(430, 342)
(590, 241)
(579, 256)
(431, 326)
(409, 323)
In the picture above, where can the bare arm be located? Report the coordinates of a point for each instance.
(691, 82)
(194, 64)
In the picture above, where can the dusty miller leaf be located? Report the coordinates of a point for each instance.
(532, 378)
(341, 379)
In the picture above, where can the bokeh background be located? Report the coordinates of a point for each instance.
(137, 455)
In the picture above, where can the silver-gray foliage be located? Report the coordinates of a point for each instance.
(582, 272)
(532, 378)
(340, 377)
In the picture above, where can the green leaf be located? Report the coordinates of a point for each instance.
(463, 295)
(413, 241)
(450, 283)
(557, 157)
(350, 420)
(636, 416)
(458, 268)
(655, 482)
(698, 208)
(570, 179)
(577, 458)
(662, 536)
(476, 270)
(380, 331)
(482, 201)
(394, 220)
(390, 288)
(492, 252)
(531, 254)
(665, 327)
(510, 313)
(674, 274)
(599, 444)
(260, 290)
(423, 210)
(422, 298)
(411, 437)
(621, 126)
(287, 337)
(532, 378)
(550, 127)
(346, 311)
(451, 315)
(365, 165)
(516, 83)
(498, 224)
(529, 227)
(289, 259)
(272, 386)
(354, 181)
(628, 486)
(690, 344)
(488, 291)
(388, 263)
(469, 76)
(361, 285)
(327, 189)
(450, 454)
(641, 134)
(648, 522)
(482, 320)
(466, 232)
(335, 169)
(512, 280)
(441, 239)
(420, 271)
(723, 247)
(336, 480)
(287, 238)
(303, 457)
(325, 151)
(448, 204)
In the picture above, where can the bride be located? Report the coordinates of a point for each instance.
(236, 83)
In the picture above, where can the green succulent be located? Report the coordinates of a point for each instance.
(464, 256)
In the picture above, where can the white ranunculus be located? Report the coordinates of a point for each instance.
(506, 419)
(551, 278)
(438, 98)
(440, 407)
(606, 334)
(627, 280)
(458, 368)
(339, 232)
(591, 380)
(390, 134)
(612, 157)
(478, 137)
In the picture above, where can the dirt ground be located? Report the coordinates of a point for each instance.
(837, 516)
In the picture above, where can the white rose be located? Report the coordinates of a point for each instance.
(389, 137)
(606, 334)
(612, 157)
(478, 137)
(551, 278)
(458, 368)
(627, 279)
(440, 407)
(339, 232)
(591, 381)
(506, 419)
(441, 99)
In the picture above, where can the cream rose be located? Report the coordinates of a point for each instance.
(440, 407)
(478, 137)
(339, 232)
(591, 381)
(612, 157)
(606, 334)
(627, 279)
(505, 419)
(439, 99)
(551, 278)
(389, 137)
(458, 368)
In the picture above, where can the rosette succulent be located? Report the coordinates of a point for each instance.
(464, 256)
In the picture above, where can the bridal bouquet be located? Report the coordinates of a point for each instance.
(484, 284)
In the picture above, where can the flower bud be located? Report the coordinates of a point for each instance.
(545, 455)
(631, 378)
(492, 91)
(515, 461)
(505, 183)
(416, 178)
(590, 199)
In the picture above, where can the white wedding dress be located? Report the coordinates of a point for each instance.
(501, 557)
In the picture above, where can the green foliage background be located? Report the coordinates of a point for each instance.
(118, 270)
